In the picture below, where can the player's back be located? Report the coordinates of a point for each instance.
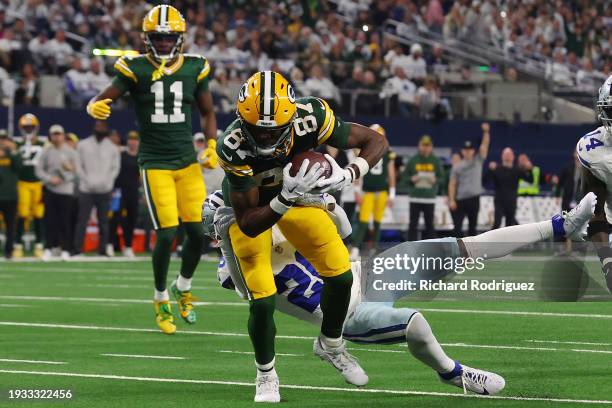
(163, 106)
(595, 154)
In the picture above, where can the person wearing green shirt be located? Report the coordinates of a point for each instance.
(10, 165)
(423, 173)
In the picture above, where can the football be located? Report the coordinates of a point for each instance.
(313, 157)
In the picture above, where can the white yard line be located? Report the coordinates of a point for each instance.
(250, 353)
(517, 313)
(593, 351)
(112, 300)
(306, 387)
(144, 356)
(14, 305)
(585, 343)
(12, 360)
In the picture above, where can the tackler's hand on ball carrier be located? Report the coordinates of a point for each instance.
(255, 152)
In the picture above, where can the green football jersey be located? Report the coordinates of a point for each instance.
(377, 178)
(30, 153)
(314, 125)
(163, 107)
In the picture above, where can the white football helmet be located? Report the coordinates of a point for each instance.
(604, 104)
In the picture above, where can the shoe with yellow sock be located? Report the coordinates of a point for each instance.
(39, 250)
(164, 317)
(184, 301)
(18, 251)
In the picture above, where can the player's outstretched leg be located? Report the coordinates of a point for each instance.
(262, 331)
(191, 254)
(161, 261)
(424, 346)
(330, 346)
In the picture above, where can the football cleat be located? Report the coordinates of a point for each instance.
(573, 224)
(47, 255)
(474, 380)
(184, 300)
(128, 253)
(266, 387)
(39, 250)
(342, 361)
(18, 251)
(164, 317)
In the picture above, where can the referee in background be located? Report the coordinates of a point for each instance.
(465, 185)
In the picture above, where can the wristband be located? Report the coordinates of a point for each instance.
(360, 167)
(392, 193)
(280, 204)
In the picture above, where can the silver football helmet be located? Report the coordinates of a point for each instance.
(604, 104)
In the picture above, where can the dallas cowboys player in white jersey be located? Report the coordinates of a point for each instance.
(299, 286)
(595, 154)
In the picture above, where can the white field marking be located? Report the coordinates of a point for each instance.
(113, 300)
(11, 360)
(490, 346)
(252, 353)
(144, 356)
(114, 285)
(593, 351)
(308, 387)
(133, 329)
(14, 305)
(585, 343)
(517, 313)
(3, 276)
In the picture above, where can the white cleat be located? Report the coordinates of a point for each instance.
(128, 253)
(266, 387)
(342, 361)
(109, 250)
(573, 224)
(47, 255)
(475, 380)
(65, 255)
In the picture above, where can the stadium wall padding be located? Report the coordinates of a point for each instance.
(549, 146)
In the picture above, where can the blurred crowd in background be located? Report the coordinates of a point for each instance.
(327, 48)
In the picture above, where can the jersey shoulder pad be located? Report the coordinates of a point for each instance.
(232, 151)
(127, 66)
(591, 148)
(323, 115)
(200, 63)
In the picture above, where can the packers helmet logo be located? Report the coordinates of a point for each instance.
(290, 93)
(242, 93)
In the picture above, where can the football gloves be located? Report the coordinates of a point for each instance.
(208, 158)
(339, 178)
(294, 187)
(100, 110)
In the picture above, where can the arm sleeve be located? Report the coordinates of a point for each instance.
(203, 77)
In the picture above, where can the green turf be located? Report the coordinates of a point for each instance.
(78, 292)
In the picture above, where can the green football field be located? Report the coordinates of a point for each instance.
(89, 327)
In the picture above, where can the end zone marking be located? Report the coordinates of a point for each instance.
(143, 356)
(12, 360)
(309, 387)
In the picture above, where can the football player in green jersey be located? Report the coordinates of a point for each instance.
(164, 83)
(30, 207)
(272, 127)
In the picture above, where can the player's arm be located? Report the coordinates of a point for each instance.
(208, 157)
(483, 151)
(391, 176)
(598, 226)
(452, 192)
(99, 106)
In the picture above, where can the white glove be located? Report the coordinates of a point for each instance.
(324, 201)
(223, 220)
(339, 178)
(294, 187)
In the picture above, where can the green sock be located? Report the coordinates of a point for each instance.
(376, 232)
(192, 248)
(20, 230)
(161, 256)
(359, 235)
(262, 329)
(335, 302)
(38, 230)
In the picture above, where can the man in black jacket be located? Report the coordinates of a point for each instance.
(506, 178)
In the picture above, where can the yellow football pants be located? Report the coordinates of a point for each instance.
(309, 230)
(174, 194)
(30, 199)
(373, 204)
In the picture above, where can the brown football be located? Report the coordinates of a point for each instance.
(313, 157)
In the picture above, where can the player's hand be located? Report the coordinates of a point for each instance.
(492, 166)
(303, 182)
(100, 110)
(486, 128)
(452, 204)
(324, 201)
(55, 181)
(339, 178)
(208, 157)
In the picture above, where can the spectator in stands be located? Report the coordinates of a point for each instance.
(318, 85)
(128, 182)
(99, 166)
(76, 81)
(39, 50)
(367, 102)
(429, 100)
(558, 71)
(586, 79)
(57, 169)
(436, 62)
(10, 163)
(96, 77)
(528, 188)
(61, 50)
(401, 86)
(413, 65)
(506, 177)
(27, 88)
(423, 172)
(465, 185)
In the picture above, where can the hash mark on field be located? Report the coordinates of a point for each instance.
(144, 356)
(252, 353)
(308, 387)
(11, 360)
(586, 343)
